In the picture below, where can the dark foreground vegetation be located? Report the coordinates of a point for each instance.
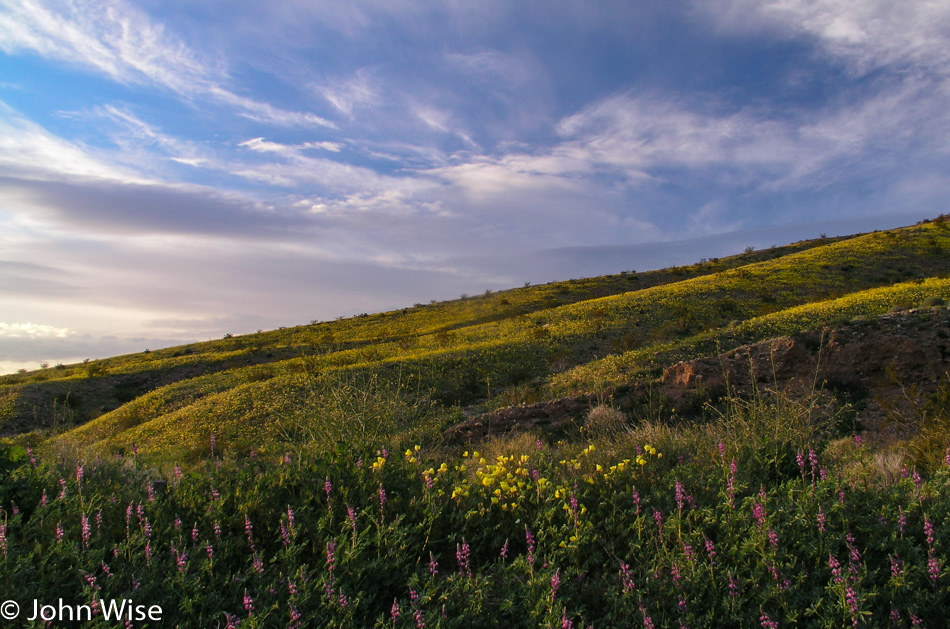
(756, 519)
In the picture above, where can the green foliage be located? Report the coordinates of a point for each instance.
(533, 536)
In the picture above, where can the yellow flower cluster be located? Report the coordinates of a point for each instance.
(412, 454)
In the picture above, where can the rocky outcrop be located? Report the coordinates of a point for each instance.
(886, 362)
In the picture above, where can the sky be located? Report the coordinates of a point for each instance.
(175, 170)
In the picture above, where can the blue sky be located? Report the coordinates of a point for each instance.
(176, 170)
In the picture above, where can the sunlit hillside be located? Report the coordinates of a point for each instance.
(411, 373)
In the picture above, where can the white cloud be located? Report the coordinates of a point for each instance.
(32, 331)
(30, 150)
(261, 145)
(353, 93)
(115, 39)
(867, 34)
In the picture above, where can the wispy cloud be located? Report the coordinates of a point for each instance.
(261, 145)
(113, 38)
(30, 150)
(351, 93)
(866, 34)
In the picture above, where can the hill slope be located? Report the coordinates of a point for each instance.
(415, 371)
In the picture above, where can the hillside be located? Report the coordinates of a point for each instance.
(414, 372)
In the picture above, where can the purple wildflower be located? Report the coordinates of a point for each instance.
(626, 577)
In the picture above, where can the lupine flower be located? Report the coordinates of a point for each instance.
(688, 551)
(835, 567)
(675, 574)
(636, 500)
(3, 539)
(766, 622)
(852, 599)
(433, 565)
(933, 566)
(901, 522)
(394, 611)
(897, 566)
(773, 539)
(733, 586)
(331, 564)
(414, 600)
(821, 520)
(296, 618)
(758, 514)
(43, 499)
(658, 518)
(647, 621)
(217, 530)
(929, 531)
(210, 550)
(62, 484)
(86, 531)
(249, 531)
(462, 557)
(626, 577)
(59, 532)
(529, 538)
(710, 550)
(679, 495)
(258, 565)
(555, 582)
(194, 534)
(566, 622)
(181, 560)
(504, 551)
(248, 604)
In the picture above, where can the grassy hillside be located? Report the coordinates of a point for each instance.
(417, 370)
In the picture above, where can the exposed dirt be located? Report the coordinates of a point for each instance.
(882, 365)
